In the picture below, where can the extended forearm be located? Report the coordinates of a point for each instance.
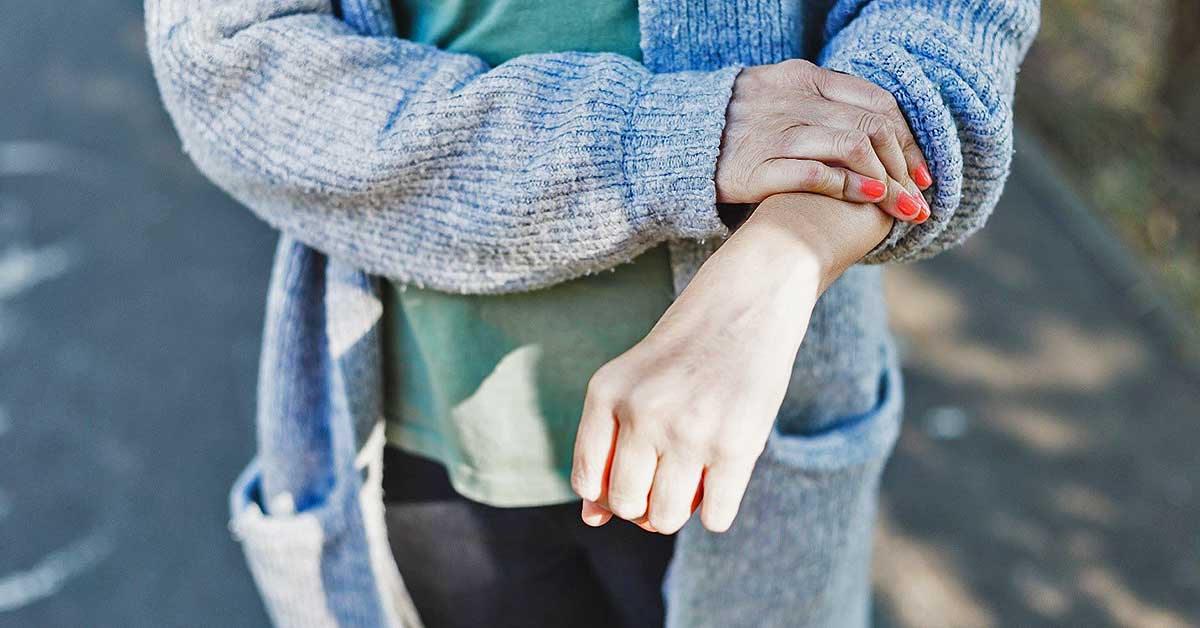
(704, 387)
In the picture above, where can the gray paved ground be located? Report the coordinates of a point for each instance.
(1048, 472)
(1046, 475)
(130, 305)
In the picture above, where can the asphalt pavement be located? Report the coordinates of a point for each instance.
(1046, 476)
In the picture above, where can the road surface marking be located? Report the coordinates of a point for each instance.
(54, 570)
(30, 158)
(22, 267)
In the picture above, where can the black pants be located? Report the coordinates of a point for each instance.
(471, 565)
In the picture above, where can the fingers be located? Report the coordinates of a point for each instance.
(724, 485)
(852, 148)
(594, 514)
(857, 91)
(594, 442)
(632, 473)
(905, 204)
(644, 523)
(801, 175)
(778, 176)
(886, 145)
(875, 169)
(674, 489)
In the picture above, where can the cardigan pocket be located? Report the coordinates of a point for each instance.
(299, 560)
(799, 551)
(284, 553)
(850, 442)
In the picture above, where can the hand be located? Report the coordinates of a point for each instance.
(796, 127)
(683, 415)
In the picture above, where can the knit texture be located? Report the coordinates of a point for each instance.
(380, 157)
(427, 167)
(430, 168)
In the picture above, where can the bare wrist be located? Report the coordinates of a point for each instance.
(831, 233)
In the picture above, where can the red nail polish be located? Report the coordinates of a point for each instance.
(921, 176)
(873, 189)
(908, 205)
(923, 216)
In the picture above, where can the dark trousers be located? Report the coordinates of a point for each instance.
(470, 565)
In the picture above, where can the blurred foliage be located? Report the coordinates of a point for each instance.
(1113, 87)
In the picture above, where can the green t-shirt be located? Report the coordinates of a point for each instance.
(492, 386)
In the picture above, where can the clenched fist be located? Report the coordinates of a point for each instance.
(682, 417)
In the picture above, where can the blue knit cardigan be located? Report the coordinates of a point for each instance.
(378, 157)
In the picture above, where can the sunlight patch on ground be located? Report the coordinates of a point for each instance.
(1062, 357)
(1054, 354)
(1038, 429)
(920, 586)
(1044, 596)
(1085, 503)
(1122, 604)
(920, 307)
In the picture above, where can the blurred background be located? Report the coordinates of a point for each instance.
(1047, 474)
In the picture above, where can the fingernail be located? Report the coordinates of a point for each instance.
(909, 205)
(591, 513)
(873, 189)
(924, 215)
(921, 176)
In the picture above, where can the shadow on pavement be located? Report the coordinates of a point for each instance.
(1047, 471)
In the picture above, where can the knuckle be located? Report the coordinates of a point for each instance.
(581, 475)
(666, 523)
(812, 176)
(642, 406)
(796, 67)
(797, 71)
(656, 400)
(625, 506)
(684, 436)
(874, 124)
(735, 451)
(855, 144)
(602, 386)
(883, 99)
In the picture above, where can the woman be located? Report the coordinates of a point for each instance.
(442, 217)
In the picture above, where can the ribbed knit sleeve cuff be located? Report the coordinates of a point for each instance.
(670, 147)
(951, 67)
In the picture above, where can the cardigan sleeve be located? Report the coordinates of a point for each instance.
(428, 167)
(951, 64)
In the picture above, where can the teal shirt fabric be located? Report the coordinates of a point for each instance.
(498, 30)
(492, 386)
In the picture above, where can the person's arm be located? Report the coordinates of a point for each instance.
(951, 66)
(429, 167)
(701, 391)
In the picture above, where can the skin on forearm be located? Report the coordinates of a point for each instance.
(810, 228)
